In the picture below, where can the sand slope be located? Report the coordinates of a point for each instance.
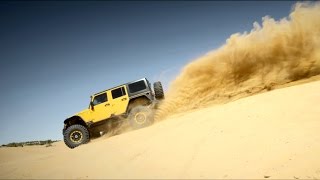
(272, 134)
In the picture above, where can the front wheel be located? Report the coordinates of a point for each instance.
(76, 135)
(141, 116)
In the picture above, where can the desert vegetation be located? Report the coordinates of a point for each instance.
(30, 143)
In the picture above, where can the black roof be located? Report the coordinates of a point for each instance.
(120, 85)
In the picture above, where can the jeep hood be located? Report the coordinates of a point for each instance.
(81, 113)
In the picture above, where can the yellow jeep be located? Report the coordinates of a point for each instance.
(131, 101)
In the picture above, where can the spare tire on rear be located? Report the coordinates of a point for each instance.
(158, 90)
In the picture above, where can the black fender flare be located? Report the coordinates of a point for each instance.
(74, 120)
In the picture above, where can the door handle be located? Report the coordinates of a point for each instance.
(107, 104)
(123, 99)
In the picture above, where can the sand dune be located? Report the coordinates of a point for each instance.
(273, 134)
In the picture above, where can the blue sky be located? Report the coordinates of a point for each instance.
(55, 54)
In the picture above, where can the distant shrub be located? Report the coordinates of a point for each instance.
(15, 145)
(48, 143)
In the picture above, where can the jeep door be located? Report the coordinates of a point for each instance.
(119, 100)
(101, 109)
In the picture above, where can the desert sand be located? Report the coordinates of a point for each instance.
(272, 135)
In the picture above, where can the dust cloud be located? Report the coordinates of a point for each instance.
(274, 53)
(119, 124)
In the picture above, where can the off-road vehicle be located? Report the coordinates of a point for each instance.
(130, 102)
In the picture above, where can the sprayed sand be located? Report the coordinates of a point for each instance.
(275, 53)
(272, 134)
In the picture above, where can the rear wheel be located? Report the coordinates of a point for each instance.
(140, 117)
(158, 90)
(141, 101)
(76, 135)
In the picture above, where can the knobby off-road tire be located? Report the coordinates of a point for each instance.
(75, 135)
(140, 117)
(158, 90)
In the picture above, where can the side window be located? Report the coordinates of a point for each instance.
(100, 99)
(118, 92)
(137, 86)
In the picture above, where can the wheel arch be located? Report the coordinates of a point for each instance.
(137, 101)
(75, 120)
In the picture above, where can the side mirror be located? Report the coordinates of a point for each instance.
(91, 105)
